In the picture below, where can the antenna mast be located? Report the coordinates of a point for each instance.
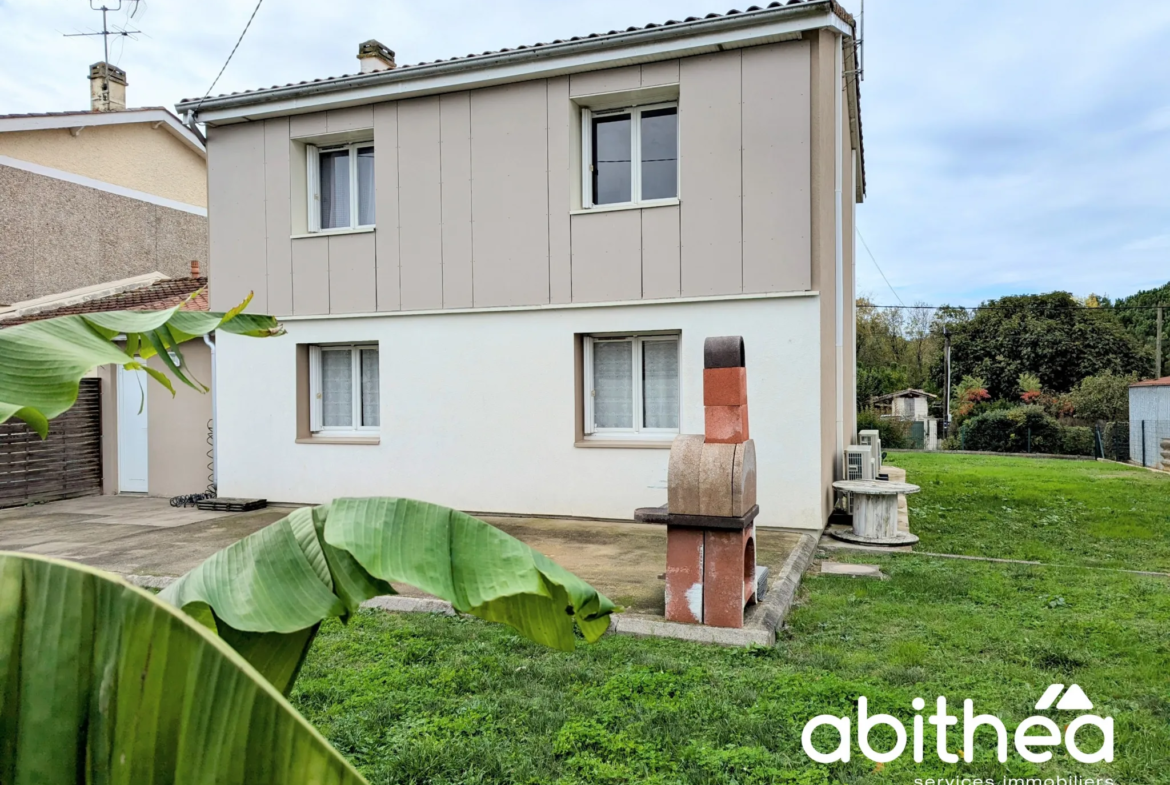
(106, 31)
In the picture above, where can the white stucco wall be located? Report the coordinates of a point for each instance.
(478, 410)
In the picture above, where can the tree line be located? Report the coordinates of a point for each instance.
(1073, 357)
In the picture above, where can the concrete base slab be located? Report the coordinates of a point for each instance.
(852, 570)
(899, 540)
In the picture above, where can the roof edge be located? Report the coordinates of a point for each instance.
(647, 44)
(82, 119)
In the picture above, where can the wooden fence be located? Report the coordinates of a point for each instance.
(65, 465)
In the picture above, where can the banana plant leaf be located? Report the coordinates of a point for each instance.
(103, 683)
(267, 594)
(42, 362)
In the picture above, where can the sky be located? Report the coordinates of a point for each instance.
(1010, 146)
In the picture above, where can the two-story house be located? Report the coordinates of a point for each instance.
(497, 271)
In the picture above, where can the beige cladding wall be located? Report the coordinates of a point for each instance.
(59, 235)
(476, 193)
(132, 155)
(177, 428)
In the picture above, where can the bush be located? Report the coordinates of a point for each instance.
(990, 431)
(1035, 431)
(893, 433)
(1025, 429)
(1077, 440)
(1102, 397)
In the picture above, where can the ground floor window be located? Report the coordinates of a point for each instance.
(343, 389)
(631, 386)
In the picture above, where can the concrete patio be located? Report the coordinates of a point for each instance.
(143, 536)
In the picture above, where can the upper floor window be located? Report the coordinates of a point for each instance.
(341, 186)
(631, 155)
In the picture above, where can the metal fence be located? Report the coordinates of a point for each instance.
(1149, 443)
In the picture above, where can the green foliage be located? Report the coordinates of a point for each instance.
(1104, 397)
(895, 434)
(267, 594)
(1020, 429)
(1077, 440)
(42, 362)
(101, 682)
(1142, 322)
(1029, 387)
(872, 382)
(1047, 335)
(896, 348)
(989, 431)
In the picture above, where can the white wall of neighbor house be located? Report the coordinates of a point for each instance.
(478, 410)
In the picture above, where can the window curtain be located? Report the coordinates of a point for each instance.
(334, 189)
(660, 384)
(365, 181)
(337, 388)
(371, 414)
(613, 404)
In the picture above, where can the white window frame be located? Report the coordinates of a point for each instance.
(313, 174)
(638, 432)
(635, 113)
(316, 400)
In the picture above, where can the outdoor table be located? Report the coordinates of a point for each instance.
(875, 512)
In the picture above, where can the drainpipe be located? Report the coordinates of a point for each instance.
(214, 421)
(839, 250)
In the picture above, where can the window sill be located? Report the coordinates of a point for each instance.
(331, 232)
(339, 440)
(625, 444)
(610, 208)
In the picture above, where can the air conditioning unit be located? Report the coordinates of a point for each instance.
(858, 466)
(859, 463)
(873, 440)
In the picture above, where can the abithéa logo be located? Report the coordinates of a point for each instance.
(1029, 746)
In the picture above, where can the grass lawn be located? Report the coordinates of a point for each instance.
(1054, 511)
(413, 698)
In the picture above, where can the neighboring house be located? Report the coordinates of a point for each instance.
(497, 271)
(907, 404)
(1149, 423)
(97, 196)
(157, 445)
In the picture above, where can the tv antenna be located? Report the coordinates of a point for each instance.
(106, 32)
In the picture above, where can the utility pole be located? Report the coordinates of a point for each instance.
(947, 358)
(1158, 346)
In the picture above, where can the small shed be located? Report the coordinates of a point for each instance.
(1149, 422)
(907, 404)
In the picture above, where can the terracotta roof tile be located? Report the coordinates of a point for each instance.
(156, 297)
(1163, 382)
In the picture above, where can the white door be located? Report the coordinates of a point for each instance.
(132, 443)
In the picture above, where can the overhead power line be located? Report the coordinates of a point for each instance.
(229, 57)
(878, 266)
(1022, 306)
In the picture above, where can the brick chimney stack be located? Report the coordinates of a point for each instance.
(375, 56)
(107, 88)
(194, 268)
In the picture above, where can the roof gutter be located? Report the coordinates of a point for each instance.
(638, 46)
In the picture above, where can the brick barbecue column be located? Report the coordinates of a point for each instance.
(710, 560)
